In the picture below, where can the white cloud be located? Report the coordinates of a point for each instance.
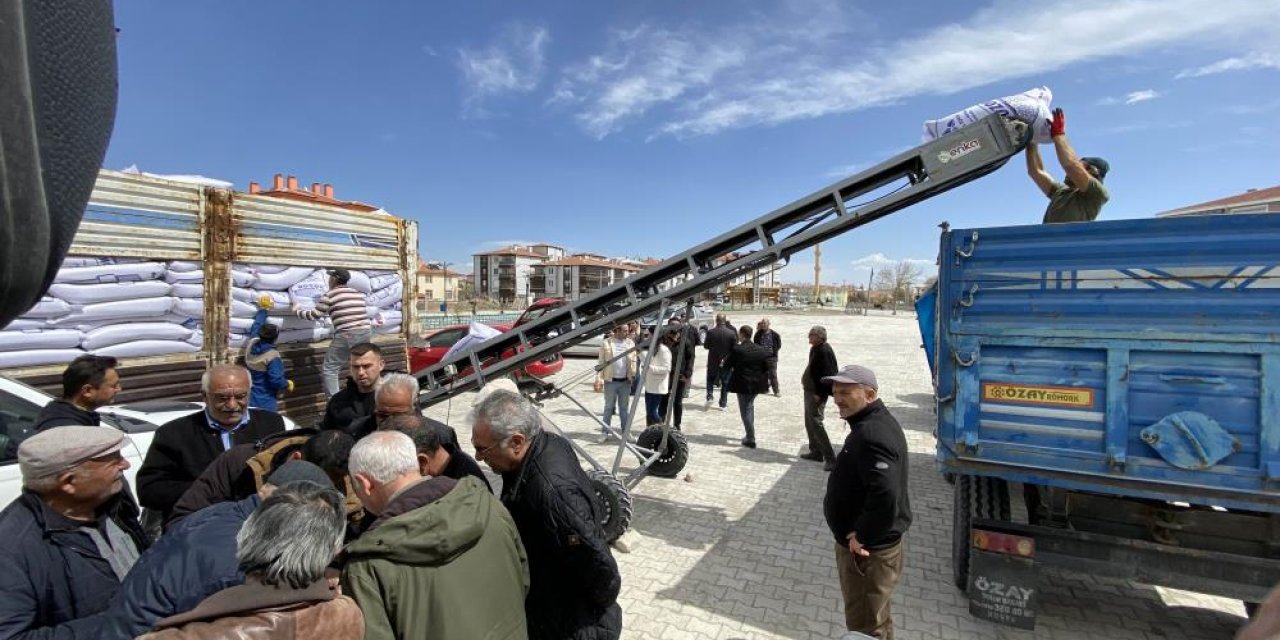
(1252, 61)
(1141, 96)
(513, 63)
(768, 70)
(881, 261)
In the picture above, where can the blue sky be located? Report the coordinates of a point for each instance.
(644, 128)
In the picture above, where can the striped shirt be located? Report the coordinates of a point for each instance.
(344, 306)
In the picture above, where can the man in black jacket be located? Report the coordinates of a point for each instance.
(573, 578)
(182, 448)
(88, 383)
(70, 538)
(684, 351)
(822, 363)
(866, 506)
(719, 342)
(748, 378)
(436, 456)
(355, 400)
(769, 339)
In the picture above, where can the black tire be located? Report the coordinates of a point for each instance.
(672, 459)
(615, 504)
(975, 497)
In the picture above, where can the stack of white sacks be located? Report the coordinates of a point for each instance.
(133, 308)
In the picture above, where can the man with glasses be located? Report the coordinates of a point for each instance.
(183, 448)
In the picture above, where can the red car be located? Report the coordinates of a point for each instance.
(430, 349)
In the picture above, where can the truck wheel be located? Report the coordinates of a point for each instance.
(615, 504)
(975, 497)
(670, 460)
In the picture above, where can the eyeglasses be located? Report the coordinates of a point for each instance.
(481, 452)
(225, 398)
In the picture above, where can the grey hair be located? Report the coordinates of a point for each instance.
(820, 330)
(397, 381)
(206, 379)
(292, 536)
(47, 484)
(507, 414)
(383, 456)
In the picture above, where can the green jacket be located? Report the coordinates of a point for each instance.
(443, 561)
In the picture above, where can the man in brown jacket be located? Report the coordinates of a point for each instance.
(283, 549)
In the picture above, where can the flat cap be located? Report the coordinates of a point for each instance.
(55, 450)
(299, 471)
(855, 374)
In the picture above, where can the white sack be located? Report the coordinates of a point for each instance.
(187, 290)
(477, 333)
(242, 279)
(39, 339)
(183, 277)
(142, 348)
(23, 324)
(269, 268)
(85, 261)
(306, 292)
(37, 357)
(236, 341)
(48, 308)
(282, 280)
(196, 338)
(387, 329)
(183, 265)
(108, 292)
(190, 307)
(1030, 106)
(383, 281)
(314, 334)
(390, 317)
(250, 296)
(360, 282)
(120, 309)
(127, 332)
(387, 297)
(183, 321)
(131, 272)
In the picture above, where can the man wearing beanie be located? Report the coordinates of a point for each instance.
(1079, 198)
(70, 538)
(866, 506)
(194, 559)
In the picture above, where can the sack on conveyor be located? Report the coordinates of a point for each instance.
(478, 332)
(109, 292)
(128, 272)
(1031, 107)
(127, 332)
(39, 339)
(37, 357)
(143, 348)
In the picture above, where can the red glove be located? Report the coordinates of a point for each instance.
(1059, 125)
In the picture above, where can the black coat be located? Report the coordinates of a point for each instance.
(60, 413)
(749, 367)
(822, 363)
(777, 340)
(345, 407)
(719, 342)
(867, 489)
(183, 448)
(229, 477)
(54, 584)
(573, 578)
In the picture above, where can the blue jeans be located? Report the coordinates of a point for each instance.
(718, 378)
(747, 409)
(336, 358)
(617, 394)
(655, 407)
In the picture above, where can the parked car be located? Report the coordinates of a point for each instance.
(20, 404)
(431, 348)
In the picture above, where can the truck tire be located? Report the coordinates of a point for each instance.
(615, 504)
(975, 497)
(672, 459)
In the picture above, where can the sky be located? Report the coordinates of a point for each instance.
(645, 128)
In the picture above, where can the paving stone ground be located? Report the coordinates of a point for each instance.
(739, 549)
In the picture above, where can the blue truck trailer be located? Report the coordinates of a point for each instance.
(1120, 382)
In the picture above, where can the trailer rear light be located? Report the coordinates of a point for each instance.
(1005, 543)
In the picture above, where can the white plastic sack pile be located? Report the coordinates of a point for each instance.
(1031, 107)
(308, 290)
(478, 332)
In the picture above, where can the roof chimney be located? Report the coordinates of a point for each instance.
(293, 183)
(315, 188)
(279, 183)
(254, 188)
(328, 191)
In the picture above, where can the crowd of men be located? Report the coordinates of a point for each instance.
(374, 524)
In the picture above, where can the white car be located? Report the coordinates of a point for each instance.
(21, 404)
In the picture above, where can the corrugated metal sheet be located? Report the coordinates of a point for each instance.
(134, 216)
(277, 231)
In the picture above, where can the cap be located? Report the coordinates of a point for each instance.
(854, 374)
(299, 471)
(55, 450)
(1098, 163)
(341, 274)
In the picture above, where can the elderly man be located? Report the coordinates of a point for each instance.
(346, 308)
(355, 400)
(822, 363)
(70, 538)
(1080, 197)
(442, 561)
(574, 580)
(195, 559)
(866, 506)
(435, 457)
(769, 339)
(719, 342)
(182, 448)
(396, 395)
(88, 383)
(284, 590)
